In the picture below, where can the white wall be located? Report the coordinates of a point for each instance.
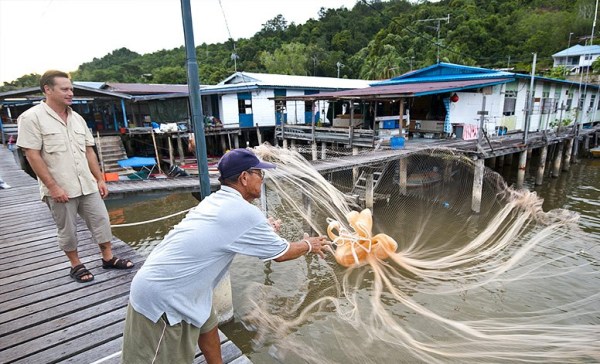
(230, 116)
(465, 110)
(263, 108)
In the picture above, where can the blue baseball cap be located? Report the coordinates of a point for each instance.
(239, 160)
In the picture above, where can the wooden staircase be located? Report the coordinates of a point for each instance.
(110, 150)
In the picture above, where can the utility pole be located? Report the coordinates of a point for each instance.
(530, 98)
(437, 28)
(194, 98)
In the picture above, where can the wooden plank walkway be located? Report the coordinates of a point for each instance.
(45, 316)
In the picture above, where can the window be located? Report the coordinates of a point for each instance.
(547, 103)
(244, 103)
(581, 101)
(510, 101)
(592, 102)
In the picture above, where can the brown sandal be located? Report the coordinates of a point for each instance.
(116, 263)
(80, 271)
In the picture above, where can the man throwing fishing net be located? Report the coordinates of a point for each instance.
(170, 304)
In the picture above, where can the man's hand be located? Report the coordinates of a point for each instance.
(102, 189)
(58, 195)
(275, 224)
(318, 244)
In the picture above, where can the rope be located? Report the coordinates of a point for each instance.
(149, 221)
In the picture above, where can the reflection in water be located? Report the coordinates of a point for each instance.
(527, 291)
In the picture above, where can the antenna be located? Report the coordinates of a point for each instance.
(437, 28)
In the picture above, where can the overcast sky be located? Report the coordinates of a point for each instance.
(36, 35)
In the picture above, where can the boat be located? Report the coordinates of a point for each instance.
(595, 152)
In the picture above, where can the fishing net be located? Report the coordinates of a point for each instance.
(420, 277)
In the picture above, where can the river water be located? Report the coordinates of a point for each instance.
(577, 190)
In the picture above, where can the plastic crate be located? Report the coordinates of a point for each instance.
(397, 142)
(390, 124)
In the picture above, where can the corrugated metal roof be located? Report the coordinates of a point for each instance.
(442, 72)
(145, 88)
(404, 90)
(289, 81)
(78, 91)
(578, 50)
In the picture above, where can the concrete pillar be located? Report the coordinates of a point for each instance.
(557, 160)
(323, 150)
(315, 151)
(236, 141)
(566, 165)
(586, 144)
(539, 178)
(522, 167)
(285, 144)
(477, 185)
(293, 145)
(369, 190)
(403, 175)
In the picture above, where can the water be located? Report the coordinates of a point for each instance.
(305, 280)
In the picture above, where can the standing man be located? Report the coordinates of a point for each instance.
(58, 146)
(170, 303)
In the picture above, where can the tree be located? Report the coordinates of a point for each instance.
(290, 59)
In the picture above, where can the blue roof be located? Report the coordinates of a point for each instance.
(441, 72)
(578, 50)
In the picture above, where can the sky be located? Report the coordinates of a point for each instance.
(37, 35)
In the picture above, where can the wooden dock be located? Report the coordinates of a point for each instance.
(45, 316)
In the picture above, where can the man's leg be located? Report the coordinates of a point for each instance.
(210, 344)
(93, 211)
(65, 217)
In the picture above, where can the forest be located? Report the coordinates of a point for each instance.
(373, 40)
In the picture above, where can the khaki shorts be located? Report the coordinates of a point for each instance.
(147, 342)
(93, 211)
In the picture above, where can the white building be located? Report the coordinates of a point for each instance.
(245, 99)
(577, 58)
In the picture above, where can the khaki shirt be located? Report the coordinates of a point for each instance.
(62, 145)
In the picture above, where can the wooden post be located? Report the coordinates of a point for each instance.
(351, 126)
(100, 154)
(508, 159)
(477, 185)
(539, 179)
(492, 163)
(323, 150)
(180, 149)
(401, 122)
(557, 160)
(223, 143)
(566, 165)
(307, 203)
(293, 145)
(586, 144)
(315, 151)
(354, 169)
(171, 152)
(501, 160)
(369, 190)
(285, 144)
(258, 135)
(403, 177)
(156, 152)
(522, 166)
